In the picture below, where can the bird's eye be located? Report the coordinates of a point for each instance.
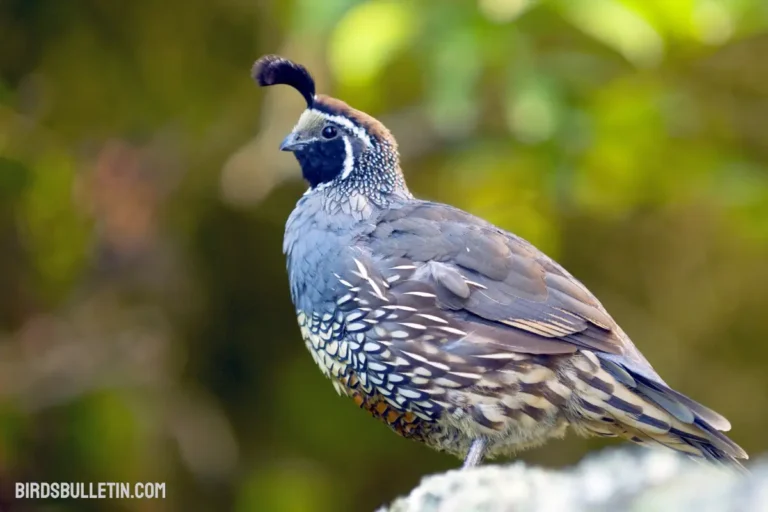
(330, 132)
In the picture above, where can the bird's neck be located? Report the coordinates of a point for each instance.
(359, 200)
(376, 182)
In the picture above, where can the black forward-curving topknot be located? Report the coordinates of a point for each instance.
(273, 69)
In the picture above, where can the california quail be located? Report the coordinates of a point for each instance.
(449, 329)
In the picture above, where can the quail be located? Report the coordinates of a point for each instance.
(450, 330)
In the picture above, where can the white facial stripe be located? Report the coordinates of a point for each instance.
(349, 125)
(349, 159)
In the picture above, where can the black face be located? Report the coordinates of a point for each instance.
(322, 160)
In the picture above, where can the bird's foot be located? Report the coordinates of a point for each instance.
(475, 453)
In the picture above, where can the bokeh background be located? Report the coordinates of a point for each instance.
(146, 330)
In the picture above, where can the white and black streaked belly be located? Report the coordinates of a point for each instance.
(397, 363)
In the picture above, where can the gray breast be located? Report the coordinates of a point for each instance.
(317, 244)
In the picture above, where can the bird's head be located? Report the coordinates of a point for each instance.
(337, 146)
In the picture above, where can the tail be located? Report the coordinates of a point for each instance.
(613, 401)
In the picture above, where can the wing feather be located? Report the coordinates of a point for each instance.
(527, 300)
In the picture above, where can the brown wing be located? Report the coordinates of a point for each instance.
(491, 283)
(438, 300)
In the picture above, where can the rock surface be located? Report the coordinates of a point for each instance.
(614, 480)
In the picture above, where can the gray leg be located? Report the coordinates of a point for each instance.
(475, 453)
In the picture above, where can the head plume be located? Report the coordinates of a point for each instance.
(273, 69)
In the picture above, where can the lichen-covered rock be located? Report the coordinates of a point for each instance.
(615, 480)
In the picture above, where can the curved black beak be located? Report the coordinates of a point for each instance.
(292, 143)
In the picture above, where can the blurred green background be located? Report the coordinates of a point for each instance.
(146, 330)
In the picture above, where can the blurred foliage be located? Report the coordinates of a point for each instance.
(146, 331)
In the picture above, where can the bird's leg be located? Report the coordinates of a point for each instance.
(475, 453)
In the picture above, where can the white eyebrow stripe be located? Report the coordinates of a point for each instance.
(346, 123)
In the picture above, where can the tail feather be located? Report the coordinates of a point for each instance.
(611, 400)
(715, 420)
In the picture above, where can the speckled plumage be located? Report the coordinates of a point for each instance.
(448, 329)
